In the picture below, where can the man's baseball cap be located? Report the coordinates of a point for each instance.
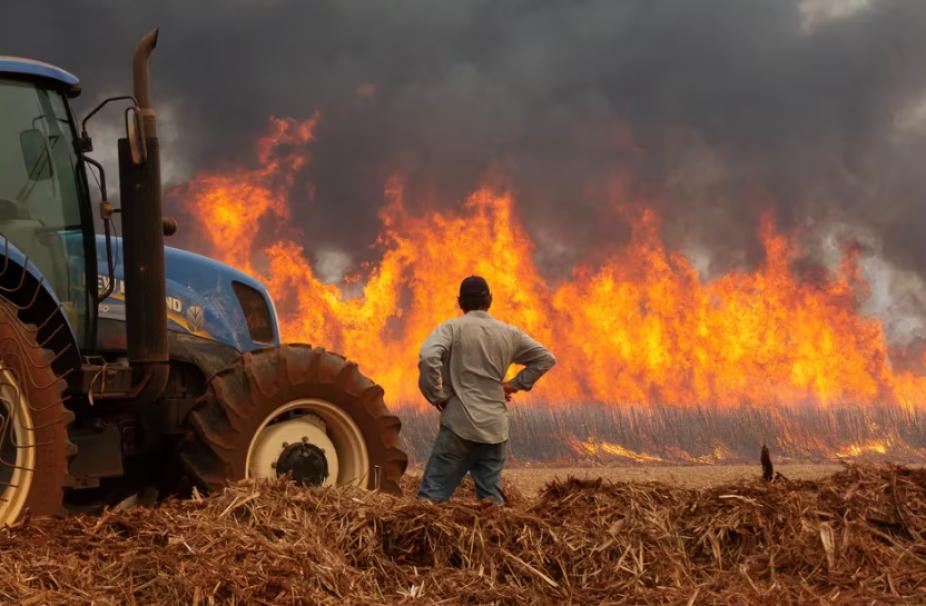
(474, 286)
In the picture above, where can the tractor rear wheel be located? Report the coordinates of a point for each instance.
(34, 445)
(293, 410)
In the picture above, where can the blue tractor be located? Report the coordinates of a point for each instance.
(127, 367)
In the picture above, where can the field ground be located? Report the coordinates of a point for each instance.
(530, 480)
(856, 537)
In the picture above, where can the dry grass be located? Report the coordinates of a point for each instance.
(701, 435)
(852, 538)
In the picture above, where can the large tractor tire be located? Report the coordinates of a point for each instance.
(34, 445)
(298, 411)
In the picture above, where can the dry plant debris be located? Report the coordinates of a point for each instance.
(853, 538)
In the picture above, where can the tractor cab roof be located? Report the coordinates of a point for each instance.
(30, 68)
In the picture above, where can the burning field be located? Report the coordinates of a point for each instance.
(656, 362)
(853, 538)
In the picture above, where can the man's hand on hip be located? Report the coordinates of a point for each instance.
(509, 390)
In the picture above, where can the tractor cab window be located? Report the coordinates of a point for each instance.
(40, 191)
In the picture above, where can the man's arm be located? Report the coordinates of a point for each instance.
(431, 364)
(536, 359)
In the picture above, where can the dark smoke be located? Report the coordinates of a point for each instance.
(714, 111)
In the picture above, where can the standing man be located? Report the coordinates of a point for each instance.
(462, 368)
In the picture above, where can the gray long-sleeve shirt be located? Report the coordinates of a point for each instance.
(462, 366)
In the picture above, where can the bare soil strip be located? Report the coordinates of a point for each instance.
(530, 480)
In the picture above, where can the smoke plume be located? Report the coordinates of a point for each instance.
(713, 112)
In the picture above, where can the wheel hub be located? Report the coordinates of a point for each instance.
(305, 463)
(338, 453)
(299, 446)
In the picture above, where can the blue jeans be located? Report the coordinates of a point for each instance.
(452, 457)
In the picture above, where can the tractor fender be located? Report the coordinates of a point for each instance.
(205, 354)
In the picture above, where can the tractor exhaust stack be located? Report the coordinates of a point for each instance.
(141, 80)
(143, 238)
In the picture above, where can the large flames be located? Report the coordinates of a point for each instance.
(640, 327)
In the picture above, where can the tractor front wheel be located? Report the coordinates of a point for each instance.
(297, 411)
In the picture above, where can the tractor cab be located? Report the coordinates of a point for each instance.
(44, 207)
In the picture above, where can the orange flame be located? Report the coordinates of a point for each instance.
(856, 450)
(640, 327)
(598, 448)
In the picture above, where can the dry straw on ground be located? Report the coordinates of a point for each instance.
(854, 538)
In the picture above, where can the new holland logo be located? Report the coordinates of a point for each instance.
(195, 318)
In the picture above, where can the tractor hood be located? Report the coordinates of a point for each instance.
(204, 298)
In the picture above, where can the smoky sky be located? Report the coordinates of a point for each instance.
(712, 111)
